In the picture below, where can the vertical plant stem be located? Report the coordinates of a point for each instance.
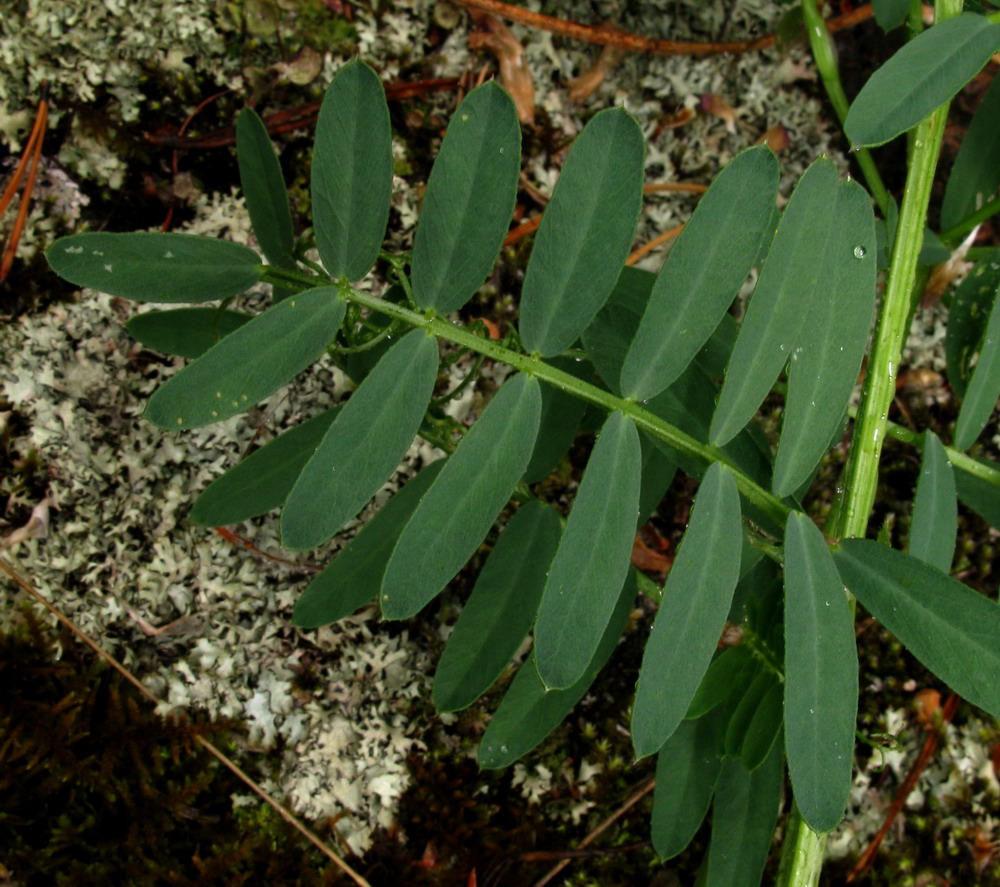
(861, 472)
(803, 852)
(825, 54)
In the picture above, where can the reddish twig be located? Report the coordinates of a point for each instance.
(173, 157)
(926, 753)
(301, 117)
(29, 160)
(606, 36)
(523, 230)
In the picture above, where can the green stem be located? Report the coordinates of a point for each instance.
(656, 427)
(861, 472)
(682, 443)
(825, 54)
(802, 855)
(957, 458)
(957, 231)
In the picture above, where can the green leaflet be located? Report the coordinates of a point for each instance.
(744, 710)
(155, 267)
(806, 253)
(585, 233)
(352, 172)
(950, 628)
(827, 358)
(984, 386)
(264, 188)
(980, 495)
(593, 557)
(890, 13)
(687, 769)
(561, 415)
(925, 73)
(469, 201)
(967, 316)
(353, 578)
(529, 711)
(460, 507)
(704, 271)
(264, 479)
(658, 472)
(692, 613)
(500, 610)
(283, 341)
(764, 727)
(363, 446)
(186, 332)
(975, 176)
(721, 679)
(821, 677)
(744, 814)
(934, 527)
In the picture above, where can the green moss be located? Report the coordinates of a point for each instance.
(95, 789)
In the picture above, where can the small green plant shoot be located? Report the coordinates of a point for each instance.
(678, 382)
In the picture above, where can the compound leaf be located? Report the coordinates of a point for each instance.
(353, 578)
(469, 201)
(264, 188)
(934, 527)
(984, 385)
(366, 441)
(530, 711)
(585, 233)
(687, 769)
(692, 614)
(186, 332)
(500, 609)
(925, 73)
(593, 556)
(250, 363)
(704, 271)
(821, 676)
(352, 172)
(460, 507)
(949, 627)
(828, 354)
(264, 479)
(153, 267)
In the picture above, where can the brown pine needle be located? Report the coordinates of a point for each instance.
(659, 240)
(674, 187)
(32, 152)
(220, 756)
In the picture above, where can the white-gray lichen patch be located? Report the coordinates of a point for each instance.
(121, 559)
